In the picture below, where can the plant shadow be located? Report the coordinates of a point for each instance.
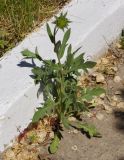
(119, 115)
(122, 158)
(26, 64)
(122, 93)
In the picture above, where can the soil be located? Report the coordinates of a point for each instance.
(107, 116)
(109, 147)
(75, 146)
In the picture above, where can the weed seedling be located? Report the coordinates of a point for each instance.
(63, 97)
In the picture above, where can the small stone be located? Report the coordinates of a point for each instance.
(119, 46)
(41, 136)
(100, 78)
(117, 79)
(104, 60)
(120, 105)
(108, 109)
(75, 131)
(99, 116)
(115, 98)
(118, 93)
(72, 119)
(74, 148)
(114, 69)
(89, 114)
(113, 103)
(51, 134)
(10, 154)
(102, 96)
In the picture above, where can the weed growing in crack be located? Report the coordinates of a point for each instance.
(63, 97)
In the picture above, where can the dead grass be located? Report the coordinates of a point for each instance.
(17, 18)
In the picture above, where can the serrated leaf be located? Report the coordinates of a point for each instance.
(78, 62)
(90, 93)
(43, 111)
(64, 43)
(55, 144)
(88, 128)
(28, 54)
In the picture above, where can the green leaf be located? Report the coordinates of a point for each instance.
(55, 144)
(38, 72)
(88, 64)
(88, 128)
(65, 121)
(50, 33)
(57, 47)
(89, 94)
(28, 54)
(39, 114)
(77, 50)
(78, 62)
(37, 54)
(43, 111)
(64, 43)
(69, 57)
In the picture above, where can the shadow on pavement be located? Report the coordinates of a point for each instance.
(119, 115)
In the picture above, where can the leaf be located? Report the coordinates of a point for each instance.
(43, 111)
(28, 54)
(57, 47)
(50, 33)
(65, 121)
(38, 72)
(37, 54)
(54, 145)
(78, 62)
(69, 57)
(90, 93)
(88, 128)
(64, 43)
(39, 114)
(77, 50)
(88, 64)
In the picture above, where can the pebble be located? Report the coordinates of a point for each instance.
(120, 105)
(118, 93)
(75, 131)
(113, 103)
(102, 96)
(74, 148)
(104, 61)
(115, 98)
(72, 119)
(117, 79)
(108, 109)
(100, 78)
(99, 116)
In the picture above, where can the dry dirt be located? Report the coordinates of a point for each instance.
(108, 117)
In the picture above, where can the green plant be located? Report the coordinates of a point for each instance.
(63, 97)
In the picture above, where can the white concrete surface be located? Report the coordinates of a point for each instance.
(93, 22)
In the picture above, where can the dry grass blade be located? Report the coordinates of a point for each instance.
(17, 18)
